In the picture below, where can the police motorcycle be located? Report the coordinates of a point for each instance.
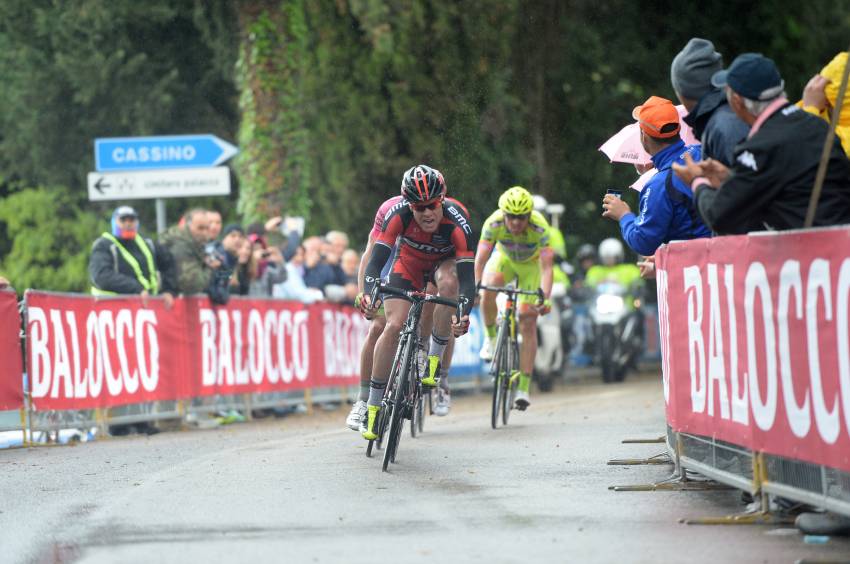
(554, 328)
(616, 320)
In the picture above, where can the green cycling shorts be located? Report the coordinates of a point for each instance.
(527, 274)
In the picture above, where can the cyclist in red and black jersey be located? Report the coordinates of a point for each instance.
(434, 244)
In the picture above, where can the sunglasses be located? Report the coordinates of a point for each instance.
(517, 217)
(422, 207)
(127, 218)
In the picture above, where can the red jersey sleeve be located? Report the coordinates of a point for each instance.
(393, 227)
(462, 234)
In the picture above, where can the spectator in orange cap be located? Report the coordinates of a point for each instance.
(666, 204)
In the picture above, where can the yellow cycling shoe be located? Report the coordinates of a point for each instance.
(368, 430)
(432, 379)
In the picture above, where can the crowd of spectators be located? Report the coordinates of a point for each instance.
(757, 160)
(199, 255)
(755, 169)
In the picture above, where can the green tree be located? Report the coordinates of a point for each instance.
(51, 239)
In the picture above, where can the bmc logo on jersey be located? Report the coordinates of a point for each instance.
(426, 248)
(461, 221)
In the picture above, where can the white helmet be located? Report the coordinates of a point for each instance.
(540, 203)
(611, 251)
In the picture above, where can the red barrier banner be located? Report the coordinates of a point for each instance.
(755, 335)
(11, 365)
(254, 345)
(85, 352)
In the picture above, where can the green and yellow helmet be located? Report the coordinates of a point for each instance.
(516, 201)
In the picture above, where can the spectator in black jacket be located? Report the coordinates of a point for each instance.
(774, 171)
(124, 262)
(709, 115)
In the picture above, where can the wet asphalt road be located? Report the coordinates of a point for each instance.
(300, 489)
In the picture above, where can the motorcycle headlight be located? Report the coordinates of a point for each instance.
(607, 303)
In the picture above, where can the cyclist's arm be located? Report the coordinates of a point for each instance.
(380, 253)
(364, 261)
(547, 261)
(381, 250)
(482, 255)
(466, 281)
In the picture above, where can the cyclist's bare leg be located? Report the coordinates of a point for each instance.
(447, 287)
(396, 313)
(528, 330)
(489, 309)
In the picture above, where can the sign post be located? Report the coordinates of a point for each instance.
(175, 166)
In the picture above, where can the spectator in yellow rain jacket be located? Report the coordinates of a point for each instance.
(820, 95)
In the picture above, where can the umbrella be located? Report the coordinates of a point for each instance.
(625, 147)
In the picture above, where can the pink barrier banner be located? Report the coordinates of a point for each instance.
(11, 364)
(755, 336)
(85, 352)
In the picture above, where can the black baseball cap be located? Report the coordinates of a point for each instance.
(752, 75)
(230, 228)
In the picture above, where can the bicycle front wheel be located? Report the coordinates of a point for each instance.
(499, 377)
(399, 404)
(510, 382)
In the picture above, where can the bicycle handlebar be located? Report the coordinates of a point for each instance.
(414, 296)
(515, 291)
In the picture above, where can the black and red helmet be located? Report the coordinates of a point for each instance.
(422, 183)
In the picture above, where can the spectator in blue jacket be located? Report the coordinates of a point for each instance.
(667, 211)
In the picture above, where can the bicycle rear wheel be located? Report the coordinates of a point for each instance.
(399, 404)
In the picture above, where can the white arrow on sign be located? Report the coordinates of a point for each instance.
(162, 183)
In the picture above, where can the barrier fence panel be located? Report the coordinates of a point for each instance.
(760, 358)
(11, 368)
(116, 360)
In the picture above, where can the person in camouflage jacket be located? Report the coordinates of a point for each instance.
(186, 243)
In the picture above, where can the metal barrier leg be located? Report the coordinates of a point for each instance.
(660, 458)
(308, 400)
(101, 416)
(760, 516)
(660, 439)
(24, 427)
(678, 481)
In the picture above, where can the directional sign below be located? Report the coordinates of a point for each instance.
(174, 151)
(149, 184)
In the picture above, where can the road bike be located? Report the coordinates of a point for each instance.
(403, 394)
(505, 365)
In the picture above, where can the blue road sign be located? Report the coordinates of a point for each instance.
(172, 151)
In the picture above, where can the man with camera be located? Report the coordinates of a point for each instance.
(197, 270)
(667, 211)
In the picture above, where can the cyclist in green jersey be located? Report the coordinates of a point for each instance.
(520, 238)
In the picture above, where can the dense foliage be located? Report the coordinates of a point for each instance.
(330, 101)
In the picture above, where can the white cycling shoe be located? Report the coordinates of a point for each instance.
(488, 349)
(356, 415)
(443, 403)
(521, 400)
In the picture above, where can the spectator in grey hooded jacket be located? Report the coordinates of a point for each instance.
(709, 115)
